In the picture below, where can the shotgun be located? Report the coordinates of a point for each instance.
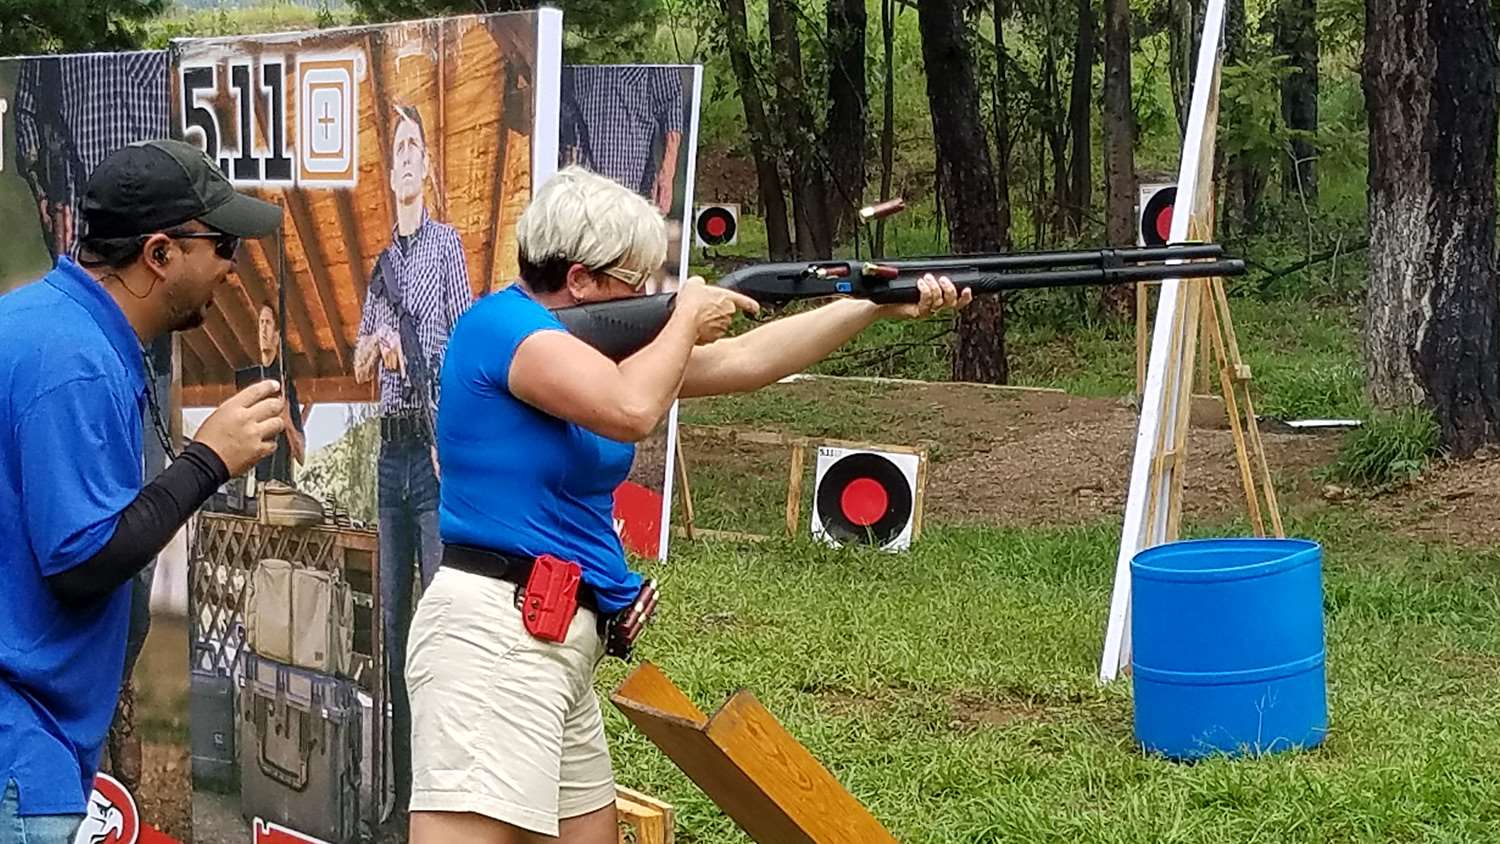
(621, 327)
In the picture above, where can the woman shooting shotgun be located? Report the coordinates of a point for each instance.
(534, 433)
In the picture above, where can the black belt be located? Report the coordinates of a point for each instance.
(507, 567)
(403, 427)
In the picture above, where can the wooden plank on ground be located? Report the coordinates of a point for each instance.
(721, 535)
(748, 765)
(776, 438)
(873, 379)
(643, 819)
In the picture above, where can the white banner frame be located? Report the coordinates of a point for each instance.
(682, 276)
(1164, 402)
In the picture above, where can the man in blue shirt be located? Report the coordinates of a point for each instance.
(77, 518)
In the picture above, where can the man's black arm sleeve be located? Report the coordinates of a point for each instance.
(145, 526)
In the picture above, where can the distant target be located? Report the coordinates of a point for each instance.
(1156, 217)
(717, 225)
(864, 498)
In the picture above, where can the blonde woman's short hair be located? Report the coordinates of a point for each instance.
(581, 217)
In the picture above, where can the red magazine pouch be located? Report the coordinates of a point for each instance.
(551, 598)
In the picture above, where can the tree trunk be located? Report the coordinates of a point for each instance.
(762, 144)
(1179, 39)
(1055, 127)
(888, 124)
(1243, 182)
(967, 178)
(1002, 125)
(809, 183)
(844, 134)
(1185, 31)
(1080, 112)
(1039, 204)
(1118, 300)
(1431, 334)
(1297, 37)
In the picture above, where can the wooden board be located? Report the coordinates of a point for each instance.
(777, 438)
(732, 536)
(748, 764)
(644, 819)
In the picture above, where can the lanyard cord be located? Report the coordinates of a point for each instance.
(157, 422)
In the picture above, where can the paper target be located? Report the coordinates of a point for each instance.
(1156, 202)
(717, 225)
(865, 498)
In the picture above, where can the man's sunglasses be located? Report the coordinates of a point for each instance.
(225, 245)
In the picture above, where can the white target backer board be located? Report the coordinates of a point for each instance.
(866, 496)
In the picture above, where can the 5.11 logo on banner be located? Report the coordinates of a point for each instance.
(275, 131)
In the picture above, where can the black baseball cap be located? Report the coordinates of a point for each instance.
(150, 186)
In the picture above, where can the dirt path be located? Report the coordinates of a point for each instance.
(1452, 503)
(161, 680)
(217, 820)
(166, 781)
(1008, 457)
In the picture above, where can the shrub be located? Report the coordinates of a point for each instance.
(1388, 450)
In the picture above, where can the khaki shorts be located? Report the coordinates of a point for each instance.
(503, 724)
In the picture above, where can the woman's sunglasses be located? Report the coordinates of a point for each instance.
(225, 245)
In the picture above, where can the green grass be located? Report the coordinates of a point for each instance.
(266, 17)
(952, 691)
(1392, 448)
(1303, 357)
(1302, 346)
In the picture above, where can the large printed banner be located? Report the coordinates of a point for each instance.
(403, 156)
(400, 150)
(61, 115)
(638, 125)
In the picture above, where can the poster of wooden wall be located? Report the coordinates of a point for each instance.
(402, 155)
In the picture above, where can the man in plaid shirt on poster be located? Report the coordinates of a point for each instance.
(417, 291)
(71, 111)
(620, 116)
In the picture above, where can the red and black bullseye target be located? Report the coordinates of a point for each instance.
(1156, 217)
(864, 498)
(716, 226)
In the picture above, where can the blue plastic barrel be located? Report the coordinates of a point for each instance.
(1227, 650)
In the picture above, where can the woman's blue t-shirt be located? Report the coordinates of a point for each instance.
(518, 480)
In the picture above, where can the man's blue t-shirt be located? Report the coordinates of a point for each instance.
(516, 479)
(72, 390)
